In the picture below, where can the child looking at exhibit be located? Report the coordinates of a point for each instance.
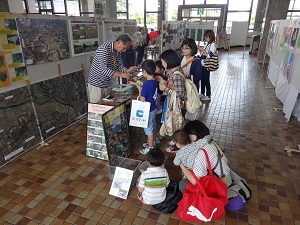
(148, 93)
(154, 181)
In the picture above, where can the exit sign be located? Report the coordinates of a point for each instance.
(200, 11)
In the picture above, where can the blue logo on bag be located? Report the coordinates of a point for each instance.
(139, 113)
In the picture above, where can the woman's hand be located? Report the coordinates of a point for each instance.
(162, 86)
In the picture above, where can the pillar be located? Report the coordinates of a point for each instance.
(275, 10)
(260, 13)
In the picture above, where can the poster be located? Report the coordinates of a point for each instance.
(117, 132)
(43, 40)
(294, 38)
(113, 30)
(96, 145)
(99, 8)
(290, 67)
(59, 102)
(121, 182)
(18, 127)
(298, 45)
(84, 37)
(130, 27)
(284, 60)
(12, 66)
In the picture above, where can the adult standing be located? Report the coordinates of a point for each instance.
(190, 64)
(131, 56)
(223, 37)
(170, 61)
(107, 65)
(153, 34)
(208, 51)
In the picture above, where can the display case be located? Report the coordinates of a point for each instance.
(107, 131)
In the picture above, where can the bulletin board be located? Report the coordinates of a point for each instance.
(283, 48)
(113, 28)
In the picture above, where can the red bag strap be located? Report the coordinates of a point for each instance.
(199, 185)
(188, 62)
(207, 161)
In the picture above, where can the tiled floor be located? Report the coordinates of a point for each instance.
(58, 184)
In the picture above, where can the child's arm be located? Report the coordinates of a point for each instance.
(141, 189)
(188, 174)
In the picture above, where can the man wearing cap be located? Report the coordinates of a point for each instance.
(107, 66)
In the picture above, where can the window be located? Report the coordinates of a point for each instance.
(136, 11)
(216, 2)
(172, 9)
(236, 5)
(194, 2)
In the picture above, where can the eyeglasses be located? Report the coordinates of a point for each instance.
(185, 48)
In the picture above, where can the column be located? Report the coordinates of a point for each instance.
(275, 10)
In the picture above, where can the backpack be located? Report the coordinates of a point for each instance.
(174, 195)
(193, 102)
(239, 193)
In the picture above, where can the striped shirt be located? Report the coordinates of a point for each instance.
(154, 180)
(178, 84)
(200, 166)
(105, 63)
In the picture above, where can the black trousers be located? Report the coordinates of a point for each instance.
(205, 82)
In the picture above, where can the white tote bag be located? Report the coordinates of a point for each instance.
(139, 114)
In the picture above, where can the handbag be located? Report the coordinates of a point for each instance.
(204, 201)
(173, 117)
(212, 63)
(174, 195)
(139, 114)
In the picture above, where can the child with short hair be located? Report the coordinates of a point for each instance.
(185, 154)
(154, 181)
(148, 93)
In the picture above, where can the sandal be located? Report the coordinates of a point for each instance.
(171, 143)
(140, 197)
(170, 149)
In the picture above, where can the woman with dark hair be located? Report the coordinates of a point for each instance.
(190, 64)
(208, 51)
(170, 61)
(200, 137)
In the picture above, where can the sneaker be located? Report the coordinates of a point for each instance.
(146, 144)
(206, 98)
(201, 96)
(145, 150)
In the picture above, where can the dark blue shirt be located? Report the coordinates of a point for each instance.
(149, 92)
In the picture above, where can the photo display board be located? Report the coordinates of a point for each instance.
(84, 37)
(12, 66)
(283, 47)
(107, 131)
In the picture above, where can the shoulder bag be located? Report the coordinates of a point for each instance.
(204, 201)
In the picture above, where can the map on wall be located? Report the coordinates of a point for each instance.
(84, 37)
(12, 66)
(59, 102)
(18, 128)
(43, 40)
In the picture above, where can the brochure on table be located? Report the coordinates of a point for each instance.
(283, 47)
(107, 131)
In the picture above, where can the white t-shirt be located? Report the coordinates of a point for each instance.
(154, 180)
(211, 49)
